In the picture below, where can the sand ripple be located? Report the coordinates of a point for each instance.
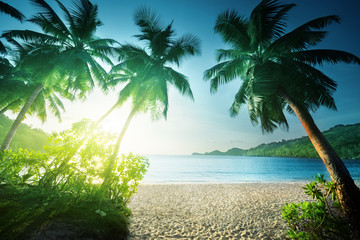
(211, 211)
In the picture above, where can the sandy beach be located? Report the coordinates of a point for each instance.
(212, 211)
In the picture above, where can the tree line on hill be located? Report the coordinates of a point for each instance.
(344, 139)
(26, 137)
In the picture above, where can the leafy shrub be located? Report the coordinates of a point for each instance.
(320, 219)
(71, 168)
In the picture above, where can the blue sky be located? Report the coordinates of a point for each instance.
(205, 125)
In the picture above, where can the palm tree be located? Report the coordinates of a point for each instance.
(13, 12)
(148, 71)
(278, 74)
(16, 85)
(9, 98)
(63, 53)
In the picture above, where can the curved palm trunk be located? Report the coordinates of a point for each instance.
(347, 192)
(113, 157)
(20, 117)
(105, 115)
(2, 111)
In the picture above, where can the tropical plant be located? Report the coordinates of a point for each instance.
(278, 73)
(9, 96)
(62, 178)
(63, 54)
(13, 12)
(148, 71)
(320, 219)
(58, 168)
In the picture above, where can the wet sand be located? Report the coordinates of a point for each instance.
(212, 211)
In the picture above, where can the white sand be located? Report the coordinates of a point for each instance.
(212, 211)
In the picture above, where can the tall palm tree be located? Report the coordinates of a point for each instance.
(16, 85)
(278, 74)
(149, 70)
(9, 98)
(63, 52)
(13, 12)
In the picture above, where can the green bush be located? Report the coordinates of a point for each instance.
(65, 180)
(321, 219)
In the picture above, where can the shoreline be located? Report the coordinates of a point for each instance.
(212, 210)
(230, 183)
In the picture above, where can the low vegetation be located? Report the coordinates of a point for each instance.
(322, 218)
(62, 186)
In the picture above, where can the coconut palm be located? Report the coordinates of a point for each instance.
(17, 83)
(13, 12)
(149, 70)
(278, 73)
(8, 87)
(64, 52)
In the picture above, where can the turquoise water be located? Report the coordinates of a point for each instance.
(233, 169)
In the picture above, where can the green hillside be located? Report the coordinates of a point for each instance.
(344, 139)
(25, 137)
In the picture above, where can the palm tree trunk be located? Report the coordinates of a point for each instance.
(113, 157)
(347, 192)
(2, 111)
(20, 117)
(106, 114)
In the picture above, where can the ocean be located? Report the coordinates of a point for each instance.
(237, 169)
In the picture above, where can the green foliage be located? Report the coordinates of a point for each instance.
(70, 171)
(321, 219)
(126, 177)
(26, 210)
(344, 139)
(24, 137)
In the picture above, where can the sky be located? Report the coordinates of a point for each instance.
(205, 125)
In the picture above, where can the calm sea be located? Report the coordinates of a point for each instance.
(233, 169)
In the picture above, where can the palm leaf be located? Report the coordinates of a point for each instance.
(187, 45)
(13, 12)
(233, 30)
(148, 21)
(320, 56)
(240, 98)
(48, 20)
(224, 72)
(30, 36)
(85, 17)
(180, 82)
(266, 22)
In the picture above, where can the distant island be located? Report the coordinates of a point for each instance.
(345, 139)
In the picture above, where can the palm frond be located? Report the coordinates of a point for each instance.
(240, 98)
(232, 54)
(54, 106)
(266, 22)
(85, 18)
(30, 36)
(294, 41)
(233, 29)
(319, 23)
(187, 45)
(39, 107)
(2, 48)
(319, 56)
(224, 72)
(148, 21)
(126, 93)
(48, 20)
(180, 82)
(13, 12)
